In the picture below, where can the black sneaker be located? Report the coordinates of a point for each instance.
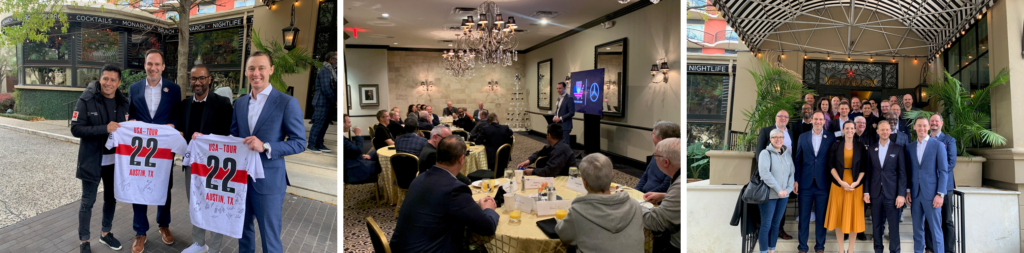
(325, 149)
(84, 248)
(110, 241)
(314, 150)
(862, 237)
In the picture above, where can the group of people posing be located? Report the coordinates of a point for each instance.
(841, 163)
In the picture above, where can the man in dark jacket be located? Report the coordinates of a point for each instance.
(478, 127)
(204, 112)
(559, 155)
(97, 113)
(324, 103)
(493, 135)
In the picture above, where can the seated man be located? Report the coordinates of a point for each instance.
(653, 180)
(434, 119)
(492, 136)
(438, 209)
(424, 121)
(358, 167)
(601, 221)
(410, 142)
(479, 126)
(463, 120)
(428, 157)
(666, 217)
(395, 125)
(559, 155)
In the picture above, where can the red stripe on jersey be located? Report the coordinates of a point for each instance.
(161, 153)
(202, 170)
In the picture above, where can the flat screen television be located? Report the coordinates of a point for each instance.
(587, 90)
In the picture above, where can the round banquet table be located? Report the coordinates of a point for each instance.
(527, 237)
(477, 160)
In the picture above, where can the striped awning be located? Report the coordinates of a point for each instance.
(939, 22)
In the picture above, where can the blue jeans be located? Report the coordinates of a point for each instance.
(771, 214)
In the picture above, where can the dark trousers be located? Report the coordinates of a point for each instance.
(817, 198)
(163, 213)
(771, 214)
(885, 212)
(89, 198)
(565, 136)
(947, 227)
(319, 128)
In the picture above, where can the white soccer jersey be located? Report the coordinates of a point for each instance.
(143, 161)
(220, 167)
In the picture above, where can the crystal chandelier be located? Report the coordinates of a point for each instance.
(458, 62)
(490, 39)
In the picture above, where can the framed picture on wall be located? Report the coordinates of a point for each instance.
(348, 96)
(369, 94)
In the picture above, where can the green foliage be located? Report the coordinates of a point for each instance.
(296, 61)
(49, 104)
(6, 102)
(42, 16)
(698, 161)
(967, 115)
(777, 89)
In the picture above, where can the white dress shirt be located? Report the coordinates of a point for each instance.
(558, 105)
(152, 97)
(921, 144)
(256, 103)
(841, 122)
(883, 149)
(200, 101)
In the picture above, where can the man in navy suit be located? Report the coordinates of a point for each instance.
(936, 123)
(439, 209)
(928, 181)
(155, 101)
(886, 182)
(813, 180)
(565, 108)
(264, 117)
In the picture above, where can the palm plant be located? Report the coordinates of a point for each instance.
(285, 62)
(966, 114)
(777, 89)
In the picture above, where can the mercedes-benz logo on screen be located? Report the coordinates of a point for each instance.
(594, 95)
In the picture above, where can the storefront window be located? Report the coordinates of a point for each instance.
(705, 94)
(86, 75)
(228, 79)
(967, 58)
(710, 135)
(56, 47)
(48, 76)
(100, 45)
(138, 45)
(216, 47)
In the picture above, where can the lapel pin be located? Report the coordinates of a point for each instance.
(165, 89)
(876, 149)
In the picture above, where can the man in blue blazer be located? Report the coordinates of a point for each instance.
(358, 166)
(813, 180)
(439, 209)
(928, 181)
(886, 183)
(565, 108)
(264, 117)
(154, 100)
(936, 123)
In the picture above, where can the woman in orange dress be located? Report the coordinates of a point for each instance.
(845, 212)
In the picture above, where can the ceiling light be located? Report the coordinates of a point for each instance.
(385, 15)
(396, 43)
(608, 48)
(543, 21)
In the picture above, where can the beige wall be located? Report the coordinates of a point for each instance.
(407, 69)
(654, 33)
(1004, 36)
(366, 66)
(270, 22)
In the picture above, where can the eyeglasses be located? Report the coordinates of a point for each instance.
(778, 137)
(198, 78)
(782, 116)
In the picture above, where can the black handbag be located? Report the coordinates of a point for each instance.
(757, 191)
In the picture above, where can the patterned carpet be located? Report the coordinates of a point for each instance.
(358, 201)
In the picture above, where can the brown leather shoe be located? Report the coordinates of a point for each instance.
(166, 236)
(139, 244)
(819, 251)
(784, 236)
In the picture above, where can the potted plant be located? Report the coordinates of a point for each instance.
(777, 89)
(698, 161)
(967, 119)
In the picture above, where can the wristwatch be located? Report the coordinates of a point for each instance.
(266, 147)
(941, 195)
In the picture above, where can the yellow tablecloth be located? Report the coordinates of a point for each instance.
(477, 160)
(527, 237)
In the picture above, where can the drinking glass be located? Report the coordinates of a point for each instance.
(514, 218)
(560, 214)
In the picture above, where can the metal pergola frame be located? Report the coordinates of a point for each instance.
(937, 26)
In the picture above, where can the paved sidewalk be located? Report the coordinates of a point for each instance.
(308, 225)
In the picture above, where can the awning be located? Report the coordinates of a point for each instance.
(937, 22)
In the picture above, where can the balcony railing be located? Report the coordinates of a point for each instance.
(700, 36)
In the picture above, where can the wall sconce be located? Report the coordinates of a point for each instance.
(921, 98)
(567, 78)
(426, 85)
(492, 84)
(663, 68)
(290, 33)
